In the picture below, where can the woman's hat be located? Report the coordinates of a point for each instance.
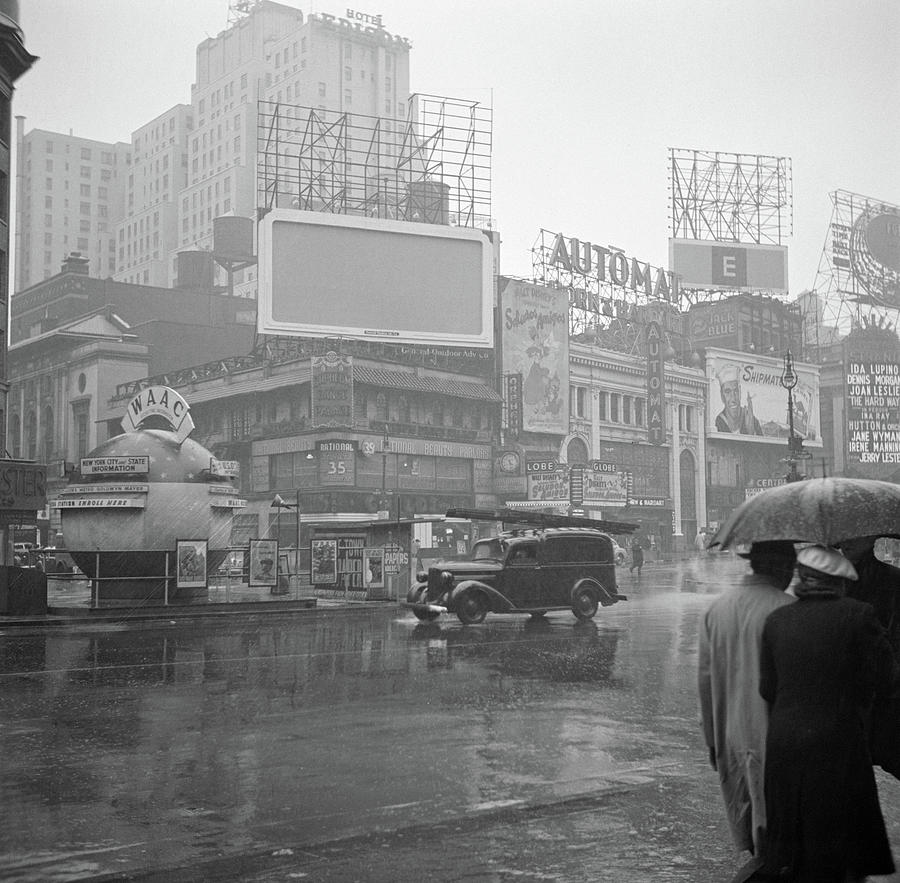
(826, 560)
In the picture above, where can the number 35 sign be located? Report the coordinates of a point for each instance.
(337, 462)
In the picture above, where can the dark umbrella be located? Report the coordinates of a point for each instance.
(817, 510)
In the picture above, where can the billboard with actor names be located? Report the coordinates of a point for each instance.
(873, 411)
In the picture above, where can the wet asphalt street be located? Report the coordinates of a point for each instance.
(335, 745)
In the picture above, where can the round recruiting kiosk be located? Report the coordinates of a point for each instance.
(149, 515)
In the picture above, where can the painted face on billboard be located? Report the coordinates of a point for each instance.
(731, 398)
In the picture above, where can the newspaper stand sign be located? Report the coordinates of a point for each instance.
(395, 559)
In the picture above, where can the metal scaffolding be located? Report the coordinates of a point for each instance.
(858, 279)
(730, 197)
(432, 167)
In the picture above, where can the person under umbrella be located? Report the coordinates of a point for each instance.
(878, 584)
(733, 714)
(822, 662)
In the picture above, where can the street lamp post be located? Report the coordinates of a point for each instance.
(795, 443)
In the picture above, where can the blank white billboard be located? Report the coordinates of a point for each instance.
(373, 279)
(729, 265)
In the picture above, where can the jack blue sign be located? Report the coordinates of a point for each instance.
(656, 412)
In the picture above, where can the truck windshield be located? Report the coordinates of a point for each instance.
(488, 549)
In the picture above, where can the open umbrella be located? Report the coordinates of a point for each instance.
(817, 510)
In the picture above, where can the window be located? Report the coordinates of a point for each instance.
(381, 408)
(49, 165)
(348, 73)
(639, 412)
(103, 192)
(81, 430)
(85, 208)
(49, 147)
(85, 153)
(322, 89)
(237, 144)
(626, 409)
(86, 190)
(601, 400)
(348, 97)
(48, 202)
(614, 408)
(243, 81)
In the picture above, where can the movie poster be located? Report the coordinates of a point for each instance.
(535, 339)
(747, 400)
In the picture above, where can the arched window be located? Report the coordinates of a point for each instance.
(30, 435)
(47, 445)
(577, 452)
(15, 436)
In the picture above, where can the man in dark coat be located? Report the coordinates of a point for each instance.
(823, 661)
(878, 585)
(637, 556)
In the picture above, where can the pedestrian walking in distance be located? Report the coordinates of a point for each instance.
(733, 714)
(637, 556)
(824, 659)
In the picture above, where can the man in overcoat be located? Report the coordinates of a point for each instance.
(733, 714)
(878, 585)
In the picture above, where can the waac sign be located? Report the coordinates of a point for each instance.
(159, 401)
(612, 267)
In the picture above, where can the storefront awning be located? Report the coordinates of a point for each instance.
(406, 380)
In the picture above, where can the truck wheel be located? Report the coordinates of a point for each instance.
(584, 603)
(472, 608)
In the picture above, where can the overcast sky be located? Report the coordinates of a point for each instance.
(587, 96)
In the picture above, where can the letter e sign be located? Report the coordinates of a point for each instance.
(729, 266)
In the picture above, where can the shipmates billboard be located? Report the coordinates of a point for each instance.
(747, 400)
(727, 266)
(325, 275)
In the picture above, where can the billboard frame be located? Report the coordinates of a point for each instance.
(268, 324)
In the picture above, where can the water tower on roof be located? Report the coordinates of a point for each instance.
(233, 245)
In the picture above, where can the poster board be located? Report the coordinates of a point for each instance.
(190, 564)
(263, 563)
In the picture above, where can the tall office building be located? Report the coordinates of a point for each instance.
(130, 208)
(69, 197)
(15, 60)
(146, 235)
(270, 52)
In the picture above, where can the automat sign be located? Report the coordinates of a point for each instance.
(605, 265)
(656, 424)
